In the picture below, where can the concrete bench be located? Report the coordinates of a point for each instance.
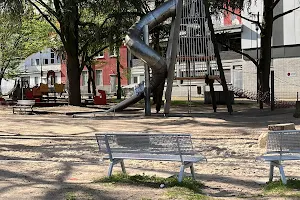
(158, 147)
(24, 106)
(281, 146)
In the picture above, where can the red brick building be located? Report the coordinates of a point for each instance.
(105, 71)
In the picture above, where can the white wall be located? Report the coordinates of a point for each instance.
(249, 34)
(291, 24)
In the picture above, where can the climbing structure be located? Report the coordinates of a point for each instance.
(195, 52)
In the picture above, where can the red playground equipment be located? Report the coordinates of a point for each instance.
(101, 99)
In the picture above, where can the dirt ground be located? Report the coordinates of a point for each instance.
(55, 156)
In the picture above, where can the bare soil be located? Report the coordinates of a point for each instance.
(54, 156)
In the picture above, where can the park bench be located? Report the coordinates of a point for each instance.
(282, 145)
(146, 146)
(24, 106)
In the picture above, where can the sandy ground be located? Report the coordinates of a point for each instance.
(54, 156)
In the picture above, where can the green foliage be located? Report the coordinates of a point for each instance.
(277, 188)
(154, 181)
(21, 38)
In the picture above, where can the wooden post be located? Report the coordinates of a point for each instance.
(173, 43)
(213, 94)
(218, 56)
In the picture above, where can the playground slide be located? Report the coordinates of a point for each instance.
(141, 50)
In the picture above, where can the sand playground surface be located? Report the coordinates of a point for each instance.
(52, 155)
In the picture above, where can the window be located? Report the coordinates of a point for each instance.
(36, 80)
(84, 78)
(113, 52)
(135, 79)
(52, 61)
(100, 55)
(99, 77)
(227, 73)
(52, 54)
(46, 61)
(35, 62)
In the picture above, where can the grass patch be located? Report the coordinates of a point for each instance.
(277, 188)
(70, 196)
(185, 194)
(154, 181)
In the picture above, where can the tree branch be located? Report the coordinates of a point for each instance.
(97, 52)
(57, 6)
(250, 20)
(240, 52)
(275, 4)
(49, 9)
(48, 20)
(285, 13)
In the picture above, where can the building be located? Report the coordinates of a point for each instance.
(105, 69)
(35, 67)
(285, 50)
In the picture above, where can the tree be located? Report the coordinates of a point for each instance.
(266, 28)
(66, 17)
(19, 39)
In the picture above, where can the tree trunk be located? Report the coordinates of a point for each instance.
(119, 90)
(1, 77)
(90, 79)
(266, 50)
(70, 33)
(217, 55)
(93, 83)
(73, 71)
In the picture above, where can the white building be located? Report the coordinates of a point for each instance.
(285, 50)
(34, 69)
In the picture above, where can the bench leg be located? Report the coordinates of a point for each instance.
(271, 172)
(111, 165)
(123, 167)
(192, 171)
(180, 177)
(283, 178)
(280, 167)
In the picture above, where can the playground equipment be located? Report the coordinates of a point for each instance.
(101, 99)
(190, 49)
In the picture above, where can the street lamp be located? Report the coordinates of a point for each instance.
(41, 61)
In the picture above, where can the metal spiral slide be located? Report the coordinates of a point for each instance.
(141, 50)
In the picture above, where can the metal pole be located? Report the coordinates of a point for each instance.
(41, 60)
(272, 91)
(257, 69)
(147, 77)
